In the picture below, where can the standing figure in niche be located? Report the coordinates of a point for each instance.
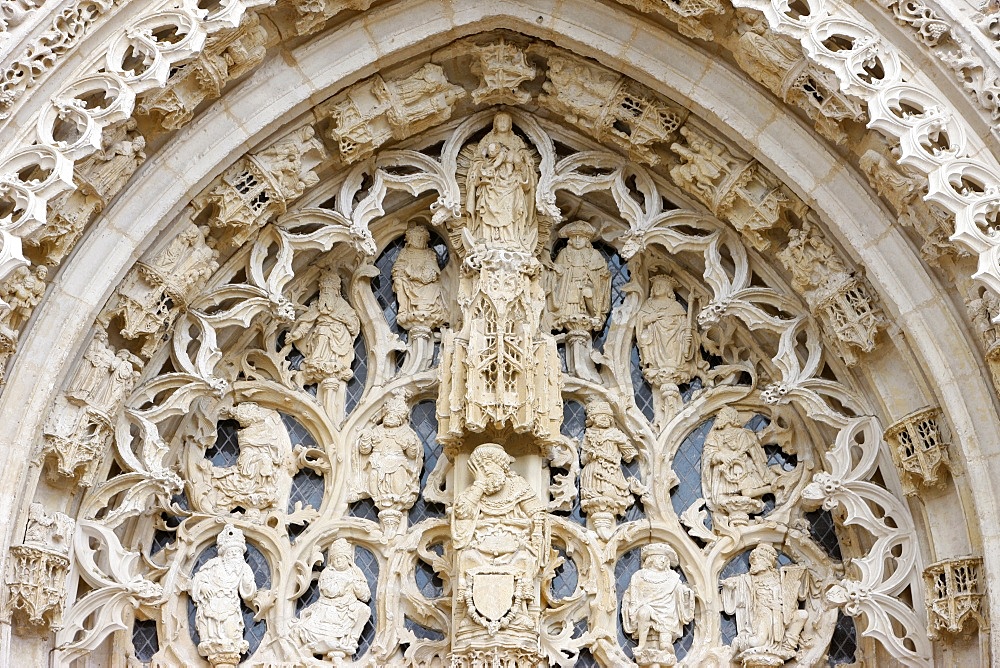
(500, 189)
(734, 470)
(766, 604)
(216, 591)
(393, 458)
(582, 294)
(325, 333)
(668, 345)
(656, 606)
(416, 280)
(605, 492)
(332, 625)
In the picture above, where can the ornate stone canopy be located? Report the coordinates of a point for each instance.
(428, 332)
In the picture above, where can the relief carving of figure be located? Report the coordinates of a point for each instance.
(325, 333)
(500, 189)
(734, 470)
(766, 603)
(499, 529)
(216, 591)
(656, 606)
(605, 492)
(416, 280)
(668, 344)
(333, 624)
(704, 163)
(393, 458)
(582, 294)
(189, 259)
(105, 377)
(262, 476)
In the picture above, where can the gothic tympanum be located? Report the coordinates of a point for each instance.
(499, 449)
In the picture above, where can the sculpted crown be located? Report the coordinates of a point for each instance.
(231, 537)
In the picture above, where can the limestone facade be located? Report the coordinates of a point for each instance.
(438, 332)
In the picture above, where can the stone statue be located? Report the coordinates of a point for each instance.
(605, 492)
(668, 345)
(500, 189)
(325, 333)
(416, 280)
(704, 165)
(766, 603)
(333, 624)
(105, 378)
(582, 294)
(735, 474)
(656, 606)
(216, 591)
(261, 479)
(393, 457)
(499, 530)
(185, 264)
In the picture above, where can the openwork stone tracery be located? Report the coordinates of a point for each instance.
(305, 513)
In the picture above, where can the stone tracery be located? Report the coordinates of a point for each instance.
(273, 284)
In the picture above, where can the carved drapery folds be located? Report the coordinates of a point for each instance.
(371, 113)
(638, 400)
(609, 106)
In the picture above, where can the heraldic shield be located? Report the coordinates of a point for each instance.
(492, 593)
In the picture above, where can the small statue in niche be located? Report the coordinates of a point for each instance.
(657, 604)
(582, 294)
(393, 458)
(105, 378)
(216, 591)
(499, 531)
(735, 474)
(416, 280)
(261, 479)
(332, 625)
(605, 492)
(765, 601)
(500, 189)
(325, 333)
(669, 346)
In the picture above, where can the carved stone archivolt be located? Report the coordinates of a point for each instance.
(577, 394)
(496, 454)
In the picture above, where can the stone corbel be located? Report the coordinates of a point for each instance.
(919, 449)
